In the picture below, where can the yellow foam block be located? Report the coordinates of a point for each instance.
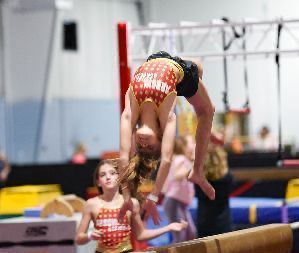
(292, 191)
(13, 200)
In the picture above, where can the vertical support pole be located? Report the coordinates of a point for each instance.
(124, 72)
(277, 61)
(4, 145)
(43, 107)
(225, 93)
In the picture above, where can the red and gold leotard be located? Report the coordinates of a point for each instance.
(155, 80)
(116, 236)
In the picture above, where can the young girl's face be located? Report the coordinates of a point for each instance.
(107, 177)
(147, 141)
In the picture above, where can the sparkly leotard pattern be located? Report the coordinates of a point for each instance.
(116, 236)
(155, 80)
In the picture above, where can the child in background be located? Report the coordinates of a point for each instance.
(114, 236)
(178, 191)
(79, 156)
(214, 217)
(265, 141)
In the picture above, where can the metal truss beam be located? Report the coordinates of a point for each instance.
(190, 39)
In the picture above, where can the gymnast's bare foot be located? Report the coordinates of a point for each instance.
(203, 183)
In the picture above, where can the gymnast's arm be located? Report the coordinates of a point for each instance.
(166, 154)
(128, 121)
(82, 236)
(142, 233)
(168, 126)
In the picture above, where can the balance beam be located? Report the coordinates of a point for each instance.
(274, 238)
(262, 173)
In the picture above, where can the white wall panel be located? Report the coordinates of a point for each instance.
(78, 101)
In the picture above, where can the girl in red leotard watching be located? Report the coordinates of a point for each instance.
(110, 234)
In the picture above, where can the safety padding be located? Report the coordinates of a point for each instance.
(76, 202)
(57, 206)
(65, 205)
(13, 200)
(274, 238)
(292, 192)
(36, 235)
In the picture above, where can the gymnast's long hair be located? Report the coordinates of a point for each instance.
(140, 169)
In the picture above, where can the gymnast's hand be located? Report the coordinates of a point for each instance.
(150, 209)
(95, 235)
(127, 206)
(203, 183)
(178, 226)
